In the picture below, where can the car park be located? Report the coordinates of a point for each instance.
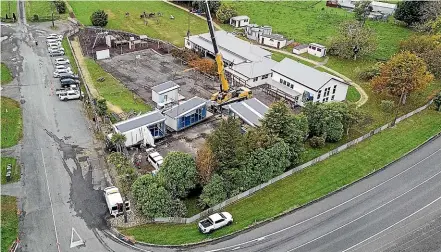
(67, 82)
(61, 61)
(69, 76)
(215, 221)
(61, 71)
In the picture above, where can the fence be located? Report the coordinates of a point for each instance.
(286, 174)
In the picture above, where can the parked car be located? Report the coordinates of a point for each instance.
(69, 95)
(55, 48)
(67, 82)
(61, 71)
(215, 221)
(69, 76)
(155, 159)
(54, 43)
(61, 61)
(54, 36)
(62, 67)
(114, 201)
(55, 53)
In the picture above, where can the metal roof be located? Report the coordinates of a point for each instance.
(185, 107)
(166, 86)
(139, 121)
(299, 47)
(240, 18)
(251, 111)
(254, 69)
(317, 45)
(304, 75)
(274, 36)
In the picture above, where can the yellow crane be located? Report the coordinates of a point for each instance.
(225, 95)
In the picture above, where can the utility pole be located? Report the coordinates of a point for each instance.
(398, 108)
(52, 8)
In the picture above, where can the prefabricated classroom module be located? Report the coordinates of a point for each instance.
(142, 129)
(165, 93)
(186, 114)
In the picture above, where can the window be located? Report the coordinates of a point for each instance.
(332, 97)
(165, 97)
(264, 76)
(318, 94)
(256, 79)
(325, 99)
(281, 81)
(188, 42)
(284, 82)
(313, 48)
(219, 221)
(335, 88)
(319, 50)
(292, 86)
(326, 93)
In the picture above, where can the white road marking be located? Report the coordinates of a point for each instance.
(236, 248)
(73, 243)
(373, 210)
(50, 200)
(335, 207)
(419, 210)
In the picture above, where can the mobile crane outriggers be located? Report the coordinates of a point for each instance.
(226, 94)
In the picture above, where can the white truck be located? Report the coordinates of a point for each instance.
(114, 201)
(155, 159)
(215, 221)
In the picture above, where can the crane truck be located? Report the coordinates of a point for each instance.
(226, 94)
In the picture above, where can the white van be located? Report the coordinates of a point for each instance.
(114, 201)
(155, 159)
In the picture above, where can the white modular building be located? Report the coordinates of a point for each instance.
(165, 93)
(239, 21)
(186, 114)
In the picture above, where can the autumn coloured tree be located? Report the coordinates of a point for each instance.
(403, 74)
(205, 163)
(427, 47)
(205, 65)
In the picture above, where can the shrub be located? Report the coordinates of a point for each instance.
(214, 192)
(101, 107)
(368, 73)
(317, 142)
(387, 106)
(99, 18)
(225, 12)
(61, 6)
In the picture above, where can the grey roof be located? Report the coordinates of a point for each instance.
(165, 86)
(317, 45)
(139, 121)
(299, 47)
(304, 75)
(240, 18)
(185, 107)
(233, 49)
(254, 69)
(279, 87)
(251, 111)
(274, 36)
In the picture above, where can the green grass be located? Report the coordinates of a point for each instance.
(280, 56)
(11, 122)
(43, 9)
(69, 55)
(113, 91)
(15, 169)
(6, 75)
(353, 95)
(308, 22)
(5, 5)
(167, 29)
(192, 206)
(9, 224)
(309, 184)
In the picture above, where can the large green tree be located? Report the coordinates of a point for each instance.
(99, 18)
(225, 12)
(427, 47)
(214, 192)
(410, 12)
(178, 173)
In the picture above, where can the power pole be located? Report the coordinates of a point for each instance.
(52, 8)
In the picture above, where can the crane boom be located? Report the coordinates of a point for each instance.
(224, 86)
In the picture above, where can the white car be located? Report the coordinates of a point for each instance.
(215, 221)
(61, 61)
(60, 71)
(156, 160)
(55, 48)
(54, 36)
(69, 95)
(114, 201)
(51, 44)
(60, 67)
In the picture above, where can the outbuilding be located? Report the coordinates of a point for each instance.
(317, 50)
(273, 40)
(165, 93)
(142, 129)
(300, 49)
(186, 114)
(249, 111)
(240, 21)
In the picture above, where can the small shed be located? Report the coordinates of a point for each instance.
(273, 40)
(317, 50)
(186, 114)
(240, 21)
(103, 54)
(249, 111)
(300, 49)
(385, 8)
(142, 129)
(165, 93)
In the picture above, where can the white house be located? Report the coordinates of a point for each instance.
(273, 40)
(249, 111)
(239, 21)
(251, 74)
(142, 129)
(317, 50)
(165, 93)
(305, 83)
(300, 49)
(253, 31)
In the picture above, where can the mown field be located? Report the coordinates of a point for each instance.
(11, 122)
(9, 224)
(172, 30)
(43, 9)
(309, 184)
(6, 75)
(8, 7)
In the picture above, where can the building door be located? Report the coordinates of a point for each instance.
(263, 40)
(278, 44)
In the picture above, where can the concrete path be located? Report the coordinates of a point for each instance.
(12, 189)
(363, 96)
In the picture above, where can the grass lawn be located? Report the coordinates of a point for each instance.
(11, 122)
(280, 56)
(309, 184)
(9, 224)
(172, 30)
(69, 55)
(5, 73)
(353, 95)
(43, 9)
(312, 21)
(113, 91)
(15, 169)
(5, 5)
(192, 206)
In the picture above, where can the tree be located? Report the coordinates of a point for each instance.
(101, 107)
(353, 40)
(154, 200)
(427, 47)
(362, 10)
(403, 74)
(430, 10)
(61, 6)
(225, 12)
(350, 115)
(409, 12)
(99, 18)
(178, 173)
(119, 141)
(205, 163)
(437, 101)
(226, 142)
(201, 6)
(205, 65)
(214, 192)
